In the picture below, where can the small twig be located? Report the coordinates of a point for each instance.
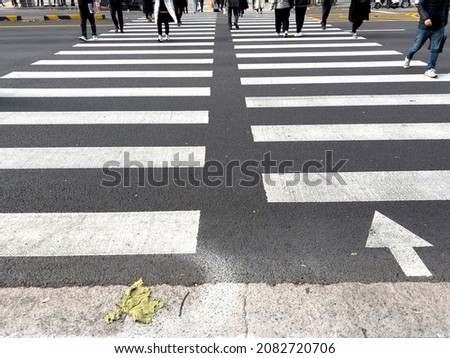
(182, 303)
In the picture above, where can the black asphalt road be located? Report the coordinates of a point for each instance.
(242, 238)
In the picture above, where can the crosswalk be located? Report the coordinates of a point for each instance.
(56, 234)
(129, 82)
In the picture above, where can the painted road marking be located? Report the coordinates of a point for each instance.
(309, 45)
(310, 65)
(329, 37)
(104, 117)
(340, 79)
(197, 29)
(109, 74)
(357, 186)
(135, 52)
(351, 132)
(308, 31)
(139, 44)
(111, 233)
(343, 101)
(386, 233)
(105, 92)
(97, 157)
(317, 54)
(172, 36)
(152, 38)
(156, 61)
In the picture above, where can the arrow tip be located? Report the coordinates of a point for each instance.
(385, 232)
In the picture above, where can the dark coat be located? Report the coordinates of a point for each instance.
(301, 3)
(83, 6)
(359, 10)
(435, 10)
(327, 2)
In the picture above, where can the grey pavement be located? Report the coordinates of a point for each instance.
(378, 310)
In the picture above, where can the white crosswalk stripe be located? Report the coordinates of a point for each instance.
(351, 132)
(357, 186)
(109, 74)
(86, 234)
(105, 92)
(159, 61)
(96, 157)
(257, 81)
(101, 117)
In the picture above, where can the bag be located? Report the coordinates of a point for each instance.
(441, 45)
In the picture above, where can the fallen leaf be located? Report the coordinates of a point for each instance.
(136, 303)
(45, 300)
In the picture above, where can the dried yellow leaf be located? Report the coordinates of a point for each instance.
(136, 303)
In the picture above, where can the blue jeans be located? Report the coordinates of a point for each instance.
(422, 36)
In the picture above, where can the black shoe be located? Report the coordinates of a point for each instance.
(237, 26)
(121, 31)
(117, 30)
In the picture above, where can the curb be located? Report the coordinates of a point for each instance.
(11, 18)
(71, 17)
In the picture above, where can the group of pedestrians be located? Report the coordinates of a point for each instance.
(433, 18)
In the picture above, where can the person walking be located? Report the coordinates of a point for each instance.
(87, 13)
(233, 9)
(179, 9)
(243, 5)
(195, 5)
(358, 12)
(258, 5)
(282, 11)
(433, 19)
(300, 12)
(115, 8)
(326, 8)
(164, 13)
(147, 9)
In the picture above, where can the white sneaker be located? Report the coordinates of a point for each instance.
(431, 73)
(83, 38)
(160, 39)
(355, 36)
(406, 62)
(277, 33)
(94, 38)
(166, 37)
(298, 34)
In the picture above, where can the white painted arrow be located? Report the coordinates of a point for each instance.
(385, 232)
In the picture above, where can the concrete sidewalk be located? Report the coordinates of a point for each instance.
(235, 310)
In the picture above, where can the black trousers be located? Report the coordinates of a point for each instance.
(159, 24)
(356, 24)
(282, 19)
(325, 12)
(85, 16)
(300, 17)
(179, 11)
(116, 9)
(235, 11)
